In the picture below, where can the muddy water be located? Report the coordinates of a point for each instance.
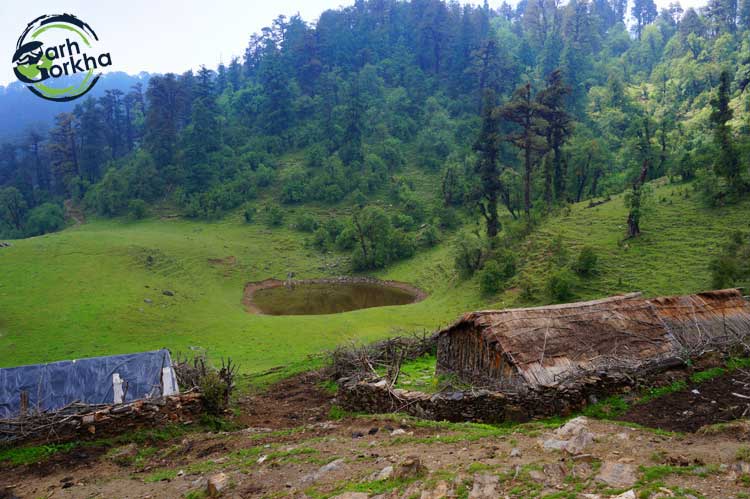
(328, 298)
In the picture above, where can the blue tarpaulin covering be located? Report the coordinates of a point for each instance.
(100, 380)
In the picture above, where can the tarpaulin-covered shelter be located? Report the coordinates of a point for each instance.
(96, 381)
(540, 347)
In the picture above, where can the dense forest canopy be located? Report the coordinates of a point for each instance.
(516, 110)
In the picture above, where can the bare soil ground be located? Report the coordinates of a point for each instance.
(720, 400)
(288, 443)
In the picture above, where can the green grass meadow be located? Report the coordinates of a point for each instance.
(83, 292)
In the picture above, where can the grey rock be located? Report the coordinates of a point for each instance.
(485, 486)
(323, 471)
(617, 475)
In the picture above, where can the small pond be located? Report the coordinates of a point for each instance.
(319, 298)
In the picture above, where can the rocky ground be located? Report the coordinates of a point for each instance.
(289, 443)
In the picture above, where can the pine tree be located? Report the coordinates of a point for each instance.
(559, 126)
(727, 163)
(528, 114)
(487, 148)
(644, 13)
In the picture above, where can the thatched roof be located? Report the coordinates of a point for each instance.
(547, 344)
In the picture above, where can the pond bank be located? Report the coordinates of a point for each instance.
(251, 288)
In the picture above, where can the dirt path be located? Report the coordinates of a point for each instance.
(74, 213)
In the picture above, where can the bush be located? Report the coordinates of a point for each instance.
(586, 263)
(214, 393)
(44, 219)
(137, 209)
(560, 285)
(429, 237)
(274, 216)
(306, 223)
(496, 273)
(468, 254)
(491, 279)
(249, 214)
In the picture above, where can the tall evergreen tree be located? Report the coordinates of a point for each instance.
(727, 163)
(644, 13)
(487, 148)
(528, 115)
(559, 126)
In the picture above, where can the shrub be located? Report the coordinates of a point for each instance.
(306, 223)
(44, 219)
(249, 214)
(586, 263)
(274, 216)
(429, 237)
(560, 285)
(468, 254)
(496, 273)
(137, 209)
(214, 393)
(491, 279)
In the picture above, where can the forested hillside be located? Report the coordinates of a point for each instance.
(412, 117)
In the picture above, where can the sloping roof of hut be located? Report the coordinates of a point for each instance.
(547, 344)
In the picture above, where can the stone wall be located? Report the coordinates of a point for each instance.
(101, 421)
(486, 406)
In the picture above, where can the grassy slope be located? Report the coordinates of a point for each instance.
(81, 292)
(672, 256)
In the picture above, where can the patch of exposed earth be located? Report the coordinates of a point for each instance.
(290, 448)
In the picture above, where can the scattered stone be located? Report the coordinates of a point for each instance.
(357, 434)
(442, 491)
(515, 453)
(591, 496)
(410, 467)
(322, 471)
(555, 473)
(5, 245)
(217, 484)
(485, 486)
(617, 475)
(383, 474)
(167, 292)
(373, 431)
(627, 495)
(397, 432)
(124, 456)
(351, 495)
(573, 437)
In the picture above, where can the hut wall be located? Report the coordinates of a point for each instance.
(465, 353)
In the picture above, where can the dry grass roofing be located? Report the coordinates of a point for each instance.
(543, 346)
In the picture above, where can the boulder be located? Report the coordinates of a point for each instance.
(485, 486)
(323, 471)
(217, 484)
(441, 491)
(617, 475)
(626, 495)
(410, 467)
(383, 474)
